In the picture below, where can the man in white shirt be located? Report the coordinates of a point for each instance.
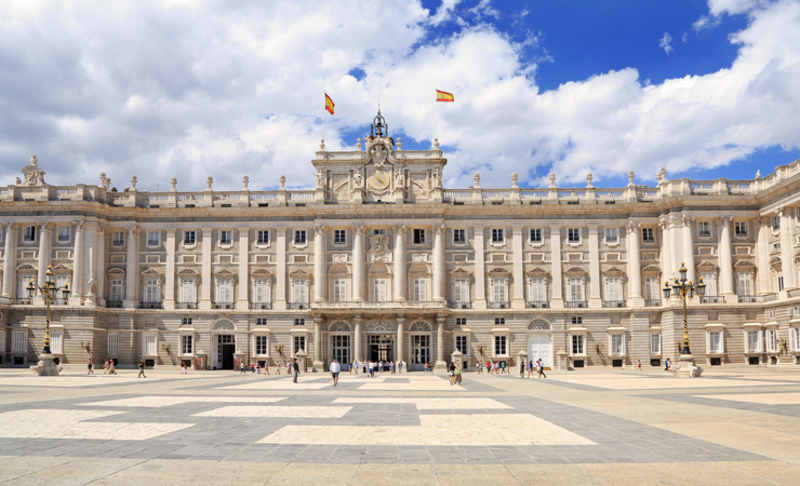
(335, 369)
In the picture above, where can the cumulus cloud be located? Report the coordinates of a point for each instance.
(192, 89)
(665, 42)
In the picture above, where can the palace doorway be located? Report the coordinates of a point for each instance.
(540, 347)
(226, 347)
(420, 351)
(381, 347)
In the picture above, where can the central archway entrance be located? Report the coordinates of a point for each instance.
(381, 347)
(226, 347)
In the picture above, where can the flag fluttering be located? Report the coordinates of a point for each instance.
(329, 104)
(444, 97)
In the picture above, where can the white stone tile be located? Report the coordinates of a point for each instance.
(277, 412)
(278, 385)
(760, 398)
(73, 381)
(156, 401)
(664, 383)
(72, 424)
(432, 403)
(489, 429)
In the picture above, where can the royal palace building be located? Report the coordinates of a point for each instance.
(381, 262)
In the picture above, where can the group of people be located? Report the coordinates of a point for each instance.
(455, 373)
(109, 367)
(492, 367)
(538, 365)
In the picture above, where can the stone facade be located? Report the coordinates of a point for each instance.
(380, 261)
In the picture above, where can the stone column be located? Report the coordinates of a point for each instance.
(634, 267)
(244, 269)
(441, 364)
(399, 286)
(518, 274)
(762, 257)
(666, 252)
(726, 262)
(100, 265)
(131, 268)
(280, 269)
(357, 338)
(787, 260)
(318, 364)
(358, 263)
(89, 267)
(400, 340)
(319, 264)
(76, 297)
(557, 301)
(688, 248)
(595, 299)
(438, 263)
(480, 269)
(169, 278)
(44, 254)
(205, 270)
(9, 260)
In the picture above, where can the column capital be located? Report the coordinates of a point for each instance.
(244, 229)
(593, 227)
(357, 318)
(633, 226)
(687, 220)
(780, 211)
(555, 227)
(319, 229)
(439, 228)
(400, 319)
(663, 223)
(43, 226)
(358, 228)
(280, 231)
(399, 227)
(726, 220)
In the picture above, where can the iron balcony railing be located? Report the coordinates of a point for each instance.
(460, 305)
(151, 305)
(298, 305)
(575, 304)
(114, 304)
(224, 305)
(537, 304)
(499, 305)
(652, 302)
(186, 305)
(750, 299)
(614, 303)
(261, 305)
(712, 299)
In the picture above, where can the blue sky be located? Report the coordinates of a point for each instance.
(225, 89)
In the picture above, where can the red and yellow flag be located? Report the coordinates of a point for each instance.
(329, 104)
(444, 97)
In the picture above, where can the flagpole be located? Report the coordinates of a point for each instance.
(436, 129)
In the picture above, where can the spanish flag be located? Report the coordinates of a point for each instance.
(329, 104)
(445, 97)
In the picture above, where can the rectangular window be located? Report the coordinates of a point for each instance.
(499, 291)
(187, 321)
(300, 237)
(576, 289)
(769, 337)
(420, 288)
(611, 235)
(710, 279)
(498, 236)
(577, 321)
(119, 238)
(150, 344)
(225, 290)
(461, 321)
(152, 291)
(188, 291)
(189, 237)
(459, 238)
(715, 341)
(225, 237)
(780, 283)
(299, 291)
(578, 347)
(704, 229)
(460, 290)
(261, 321)
(794, 338)
(613, 288)
(617, 344)
(573, 235)
(339, 237)
(299, 344)
(261, 292)
(30, 233)
(745, 283)
(740, 228)
(186, 344)
(648, 236)
(651, 288)
(536, 235)
(19, 341)
(263, 237)
(339, 290)
(62, 282)
(113, 344)
(379, 292)
(537, 292)
(753, 341)
(261, 345)
(153, 238)
(379, 232)
(24, 281)
(299, 321)
(419, 236)
(56, 342)
(499, 321)
(461, 345)
(115, 290)
(655, 343)
(500, 346)
(63, 233)
(776, 223)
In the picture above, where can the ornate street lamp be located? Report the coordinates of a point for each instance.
(49, 290)
(683, 289)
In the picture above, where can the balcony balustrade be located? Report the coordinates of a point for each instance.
(499, 305)
(537, 304)
(613, 303)
(113, 304)
(575, 304)
(224, 305)
(712, 299)
(750, 299)
(460, 305)
(260, 305)
(151, 305)
(186, 305)
(652, 302)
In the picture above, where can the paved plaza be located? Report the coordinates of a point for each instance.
(732, 426)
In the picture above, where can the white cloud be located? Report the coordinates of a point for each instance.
(665, 42)
(196, 89)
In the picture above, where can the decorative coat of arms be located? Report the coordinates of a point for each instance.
(379, 249)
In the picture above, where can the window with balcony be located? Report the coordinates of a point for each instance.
(379, 290)
(461, 291)
(537, 292)
(339, 237)
(652, 292)
(614, 289)
(459, 238)
(339, 290)
(299, 293)
(710, 279)
(704, 229)
(153, 238)
(262, 237)
(224, 294)
(744, 284)
(419, 236)
(499, 293)
(152, 291)
(575, 293)
(573, 235)
(116, 291)
(536, 235)
(188, 294)
(261, 293)
(420, 290)
(225, 237)
(189, 237)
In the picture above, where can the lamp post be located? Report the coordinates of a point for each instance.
(49, 291)
(684, 289)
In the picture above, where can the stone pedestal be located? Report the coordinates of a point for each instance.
(522, 358)
(46, 366)
(686, 367)
(561, 355)
(458, 358)
(318, 367)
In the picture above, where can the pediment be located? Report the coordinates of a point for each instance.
(459, 271)
(744, 263)
(225, 272)
(538, 271)
(115, 271)
(153, 271)
(26, 266)
(62, 268)
(706, 264)
(188, 271)
(652, 269)
(262, 272)
(498, 271)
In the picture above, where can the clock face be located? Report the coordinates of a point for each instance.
(379, 181)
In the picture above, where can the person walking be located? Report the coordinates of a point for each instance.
(522, 369)
(184, 370)
(296, 370)
(112, 368)
(540, 368)
(90, 365)
(452, 372)
(666, 364)
(371, 369)
(257, 367)
(105, 367)
(639, 364)
(266, 367)
(335, 369)
(141, 369)
(458, 375)
(530, 368)
(289, 367)
(399, 367)
(242, 368)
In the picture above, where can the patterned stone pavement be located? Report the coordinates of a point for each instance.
(734, 426)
